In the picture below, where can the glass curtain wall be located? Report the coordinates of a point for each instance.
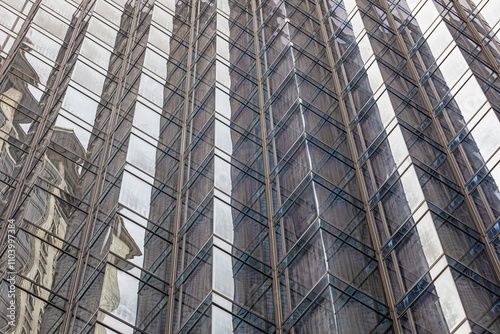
(259, 166)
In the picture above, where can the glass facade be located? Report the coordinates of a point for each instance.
(259, 166)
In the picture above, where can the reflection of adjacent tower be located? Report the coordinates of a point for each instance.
(15, 95)
(66, 175)
(256, 166)
(50, 215)
(50, 181)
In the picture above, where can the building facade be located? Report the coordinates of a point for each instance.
(260, 166)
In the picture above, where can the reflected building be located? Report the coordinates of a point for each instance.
(281, 166)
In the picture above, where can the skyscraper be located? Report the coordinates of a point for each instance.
(260, 166)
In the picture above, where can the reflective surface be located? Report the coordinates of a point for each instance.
(304, 166)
